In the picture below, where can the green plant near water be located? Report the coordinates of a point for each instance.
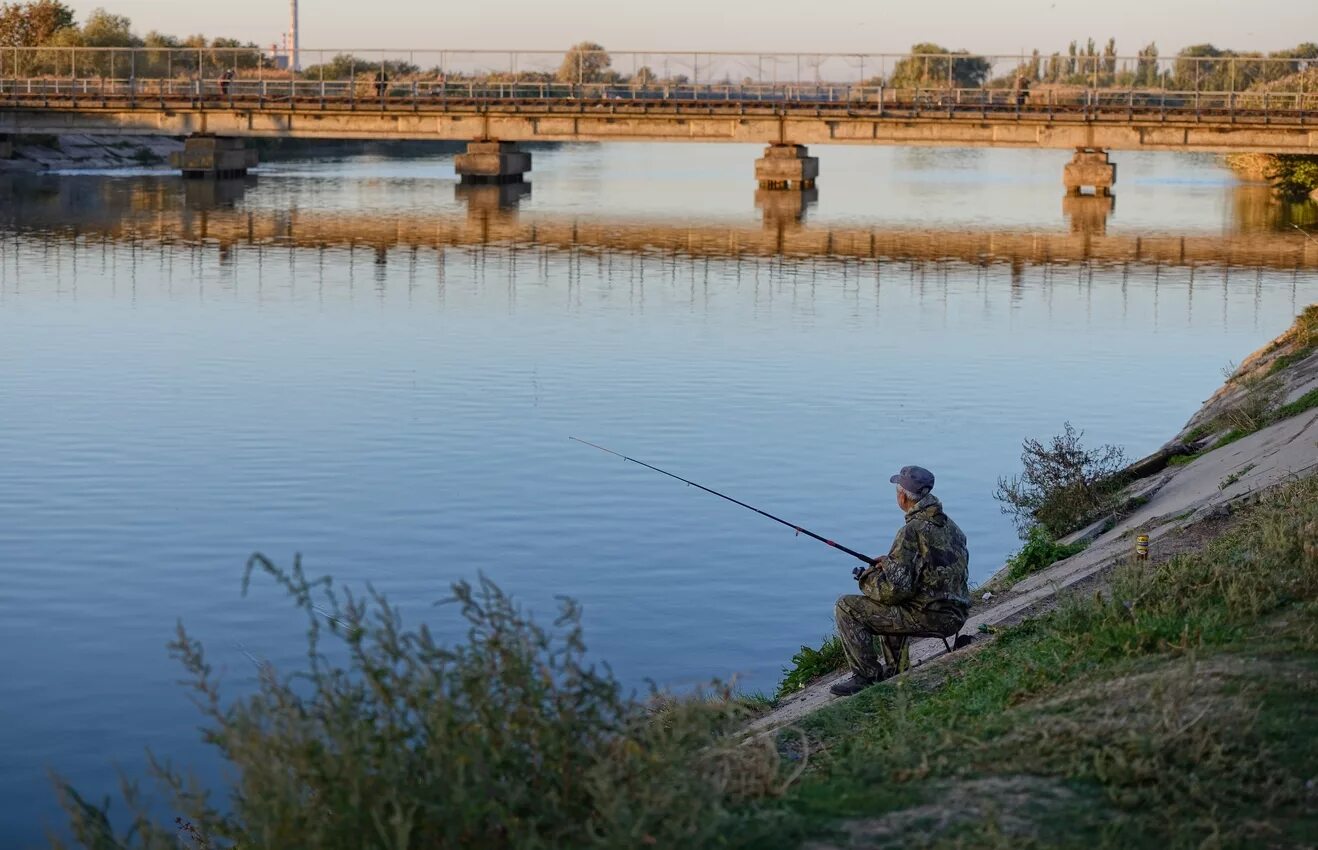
(1294, 176)
(809, 664)
(508, 739)
(1062, 484)
(1040, 550)
(1175, 710)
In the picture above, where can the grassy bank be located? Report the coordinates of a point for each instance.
(1179, 710)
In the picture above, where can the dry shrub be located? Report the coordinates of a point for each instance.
(1306, 327)
(1258, 398)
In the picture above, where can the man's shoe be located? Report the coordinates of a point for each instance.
(853, 685)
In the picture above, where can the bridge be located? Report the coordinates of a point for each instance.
(218, 97)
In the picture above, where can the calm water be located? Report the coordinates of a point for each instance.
(353, 361)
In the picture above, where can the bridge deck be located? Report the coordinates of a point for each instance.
(1122, 120)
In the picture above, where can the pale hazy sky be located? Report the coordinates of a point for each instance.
(870, 26)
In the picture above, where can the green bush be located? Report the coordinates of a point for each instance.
(1039, 551)
(1063, 484)
(809, 664)
(510, 739)
(1294, 176)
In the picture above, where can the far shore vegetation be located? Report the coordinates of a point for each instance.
(1199, 67)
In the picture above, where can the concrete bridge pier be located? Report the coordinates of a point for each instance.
(206, 157)
(786, 167)
(492, 161)
(1089, 167)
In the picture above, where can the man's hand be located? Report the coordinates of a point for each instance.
(862, 573)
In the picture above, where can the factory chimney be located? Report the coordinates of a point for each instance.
(293, 44)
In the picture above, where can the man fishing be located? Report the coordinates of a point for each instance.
(919, 589)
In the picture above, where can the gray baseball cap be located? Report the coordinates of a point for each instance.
(914, 479)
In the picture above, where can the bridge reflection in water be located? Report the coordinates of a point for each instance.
(163, 209)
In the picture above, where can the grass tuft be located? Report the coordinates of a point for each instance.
(809, 664)
(1039, 551)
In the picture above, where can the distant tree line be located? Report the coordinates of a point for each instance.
(1200, 67)
(51, 23)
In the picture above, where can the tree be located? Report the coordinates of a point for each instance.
(102, 29)
(1202, 67)
(1110, 57)
(584, 63)
(1146, 67)
(345, 66)
(928, 67)
(643, 76)
(1056, 68)
(160, 40)
(33, 24)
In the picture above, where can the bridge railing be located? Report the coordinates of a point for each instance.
(417, 94)
(954, 70)
(917, 82)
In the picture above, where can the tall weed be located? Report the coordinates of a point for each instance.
(508, 739)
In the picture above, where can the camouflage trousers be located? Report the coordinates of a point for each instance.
(860, 620)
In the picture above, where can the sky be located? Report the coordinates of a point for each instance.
(852, 26)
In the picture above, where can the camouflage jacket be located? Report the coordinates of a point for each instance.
(928, 565)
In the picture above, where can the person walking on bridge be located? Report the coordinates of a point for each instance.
(919, 589)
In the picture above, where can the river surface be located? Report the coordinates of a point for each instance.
(355, 361)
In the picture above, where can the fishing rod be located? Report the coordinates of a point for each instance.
(793, 526)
